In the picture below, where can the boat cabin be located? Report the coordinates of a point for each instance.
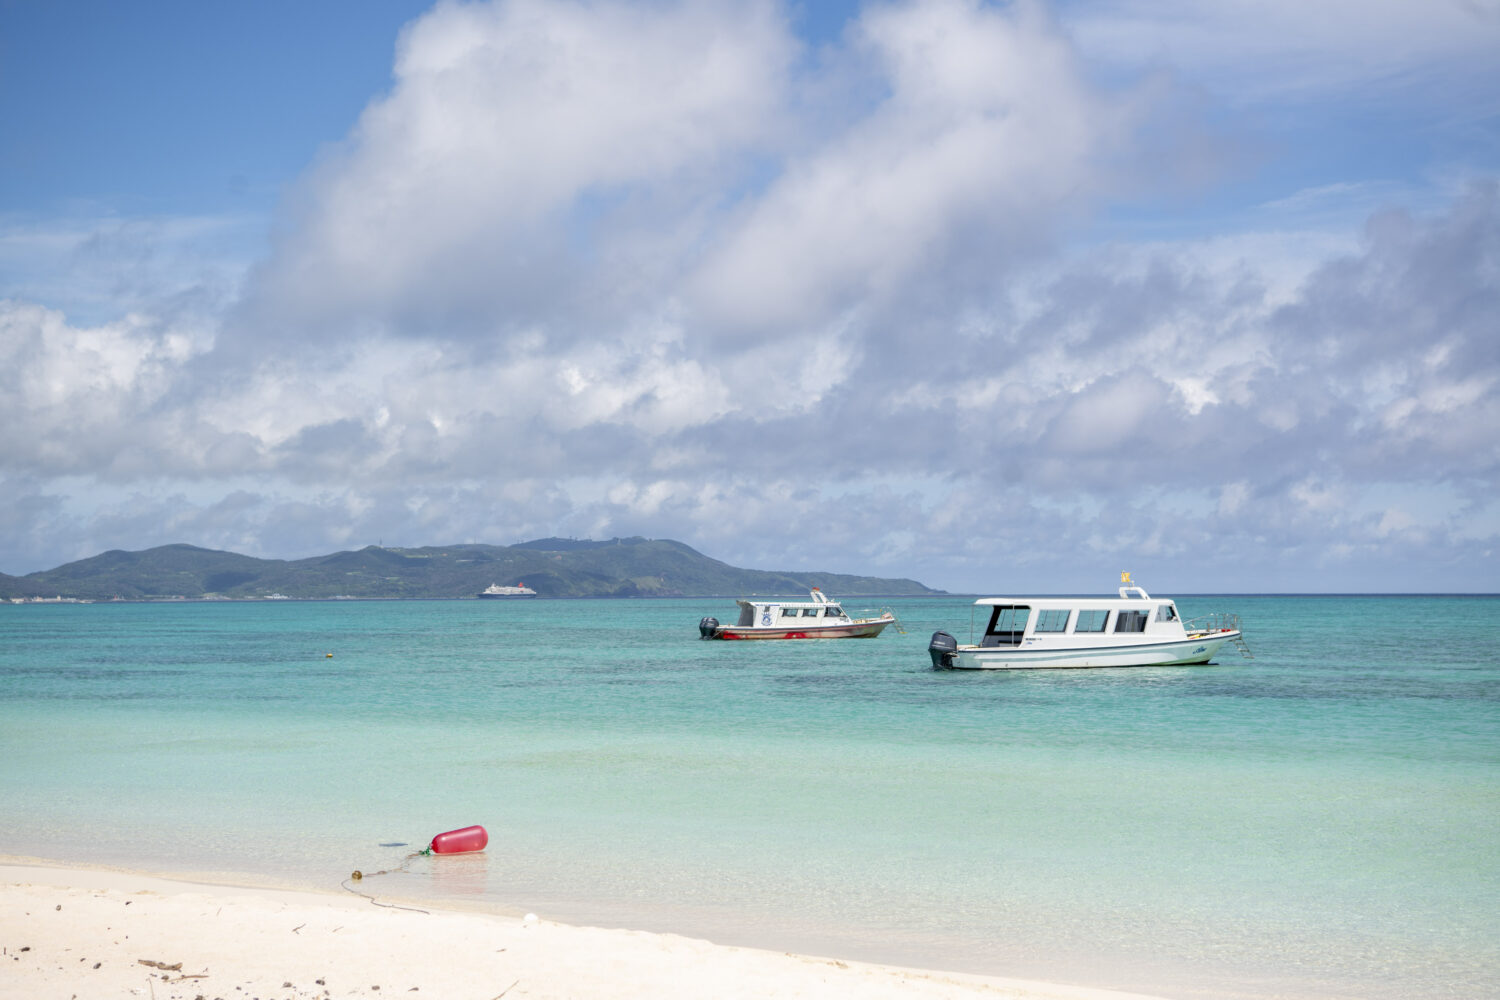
(773, 614)
(1017, 621)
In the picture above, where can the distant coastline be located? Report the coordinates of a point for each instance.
(933, 595)
(210, 599)
(552, 567)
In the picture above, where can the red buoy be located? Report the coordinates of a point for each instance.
(469, 839)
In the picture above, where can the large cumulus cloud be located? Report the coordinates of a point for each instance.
(535, 164)
(600, 268)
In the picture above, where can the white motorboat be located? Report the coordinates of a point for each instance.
(1132, 630)
(819, 618)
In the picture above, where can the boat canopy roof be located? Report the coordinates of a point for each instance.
(819, 599)
(1131, 593)
(775, 603)
(1129, 597)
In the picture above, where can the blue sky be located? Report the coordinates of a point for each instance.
(998, 296)
(181, 107)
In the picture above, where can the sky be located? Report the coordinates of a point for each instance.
(1002, 297)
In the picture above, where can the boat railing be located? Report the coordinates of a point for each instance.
(867, 614)
(1218, 621)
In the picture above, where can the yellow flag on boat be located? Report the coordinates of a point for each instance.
(1125, 576)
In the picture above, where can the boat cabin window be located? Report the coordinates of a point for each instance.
(1055, 620)
(1007, 622)
(789, 612)
(809, 612)
(834, 611)
(1131, 621)
(1090, 621)
(1166, 613)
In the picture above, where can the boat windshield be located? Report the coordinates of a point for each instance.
(1007, 622)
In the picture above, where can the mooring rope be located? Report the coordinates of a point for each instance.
(359, 876)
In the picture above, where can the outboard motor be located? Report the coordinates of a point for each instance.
(944, 651)
(707, 627)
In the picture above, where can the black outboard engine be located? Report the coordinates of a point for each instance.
(707, 627)
(944, 651)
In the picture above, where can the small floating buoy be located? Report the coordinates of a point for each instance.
(464, 841)
(330, 656)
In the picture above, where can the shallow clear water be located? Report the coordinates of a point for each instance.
(1321, 821)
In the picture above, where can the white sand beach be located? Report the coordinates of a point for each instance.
(82, 933)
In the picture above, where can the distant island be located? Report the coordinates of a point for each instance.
(553, 567)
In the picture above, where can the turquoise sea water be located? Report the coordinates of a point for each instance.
(1321, 821)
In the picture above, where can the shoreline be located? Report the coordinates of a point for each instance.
(67, 929)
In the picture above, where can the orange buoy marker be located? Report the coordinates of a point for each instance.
(465, 841)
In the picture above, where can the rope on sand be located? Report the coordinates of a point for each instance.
(359, 876)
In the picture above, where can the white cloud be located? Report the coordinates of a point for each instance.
(526, 147)
(1254, 49)
(74, 398)
(987, 140)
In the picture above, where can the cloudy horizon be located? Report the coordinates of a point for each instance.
(995, 296)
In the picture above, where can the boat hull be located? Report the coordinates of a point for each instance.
(855, 630)
(1175, 653)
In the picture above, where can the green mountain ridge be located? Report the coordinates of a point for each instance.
(553, 567)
